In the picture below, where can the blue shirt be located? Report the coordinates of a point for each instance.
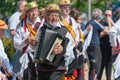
(96, 32)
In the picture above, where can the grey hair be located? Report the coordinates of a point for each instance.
(97, 10)
(20, 3)
(97, 13)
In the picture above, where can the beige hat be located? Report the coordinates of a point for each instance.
(52, 7)
(31, 5)
(3, 25)
(65, 2)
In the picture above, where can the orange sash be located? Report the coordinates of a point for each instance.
(69, 28)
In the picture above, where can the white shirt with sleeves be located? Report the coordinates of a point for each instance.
(69, 55)
(14, 20)
(4, 58)
(21, 36)
(114, 34)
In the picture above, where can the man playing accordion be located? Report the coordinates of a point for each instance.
(47, 71)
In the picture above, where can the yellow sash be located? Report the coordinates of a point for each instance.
(69, 27)
(81, 35)
(32, 32)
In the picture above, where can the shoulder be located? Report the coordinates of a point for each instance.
(13, 16)
(72, 19)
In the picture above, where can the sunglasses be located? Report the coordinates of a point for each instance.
(108, 15)
(67, 7)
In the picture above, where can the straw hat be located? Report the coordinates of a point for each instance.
(3, 25)
(52, 7)
(65, 2)
(31, 5)
(28, 7)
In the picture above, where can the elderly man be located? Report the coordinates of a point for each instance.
(47, 71)
(24, 39)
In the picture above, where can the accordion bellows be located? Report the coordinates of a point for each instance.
(47, 40)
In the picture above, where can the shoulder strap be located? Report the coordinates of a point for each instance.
(81, 35)
(69, 28)
(36, 28)
(30, 29)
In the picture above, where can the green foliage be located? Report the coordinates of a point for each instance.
(99, 4)
(8, 7)
(83, 5)
(8, 47)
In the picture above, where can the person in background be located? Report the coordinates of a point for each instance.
(42, 13)
(78, 17)
(84, 18)
(93, 50)
(105, 47)
(76, 14)
(4, 61)
(68, 21)
(12, 26)
(114, 34)
(14, 18)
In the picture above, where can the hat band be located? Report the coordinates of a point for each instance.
(2, 24)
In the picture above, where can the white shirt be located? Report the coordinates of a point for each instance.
(69, 56)
(114, 33)
(21, 36)
(4, 58)
(14, 20)
(19, 43)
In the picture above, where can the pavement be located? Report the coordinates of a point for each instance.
(104, 76)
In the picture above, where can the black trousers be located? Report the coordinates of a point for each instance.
(50, 75)
(106, 62)
(30, 72)
(94, 55)
(50, 72)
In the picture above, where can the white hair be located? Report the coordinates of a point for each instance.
(97, 11)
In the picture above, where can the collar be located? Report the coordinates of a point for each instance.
(37, 20)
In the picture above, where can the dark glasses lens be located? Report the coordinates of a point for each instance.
(66, 7)
(107, 15)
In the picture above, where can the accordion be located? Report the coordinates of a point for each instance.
(47, 39)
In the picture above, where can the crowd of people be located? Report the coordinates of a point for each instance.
(54, 43)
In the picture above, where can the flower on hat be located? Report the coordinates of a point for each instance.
(31, 5)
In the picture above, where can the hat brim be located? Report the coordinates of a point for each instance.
(4, 27)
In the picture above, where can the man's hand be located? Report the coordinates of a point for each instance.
(57, 49)
(3, 77)
(31, 41)
(12, 74)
